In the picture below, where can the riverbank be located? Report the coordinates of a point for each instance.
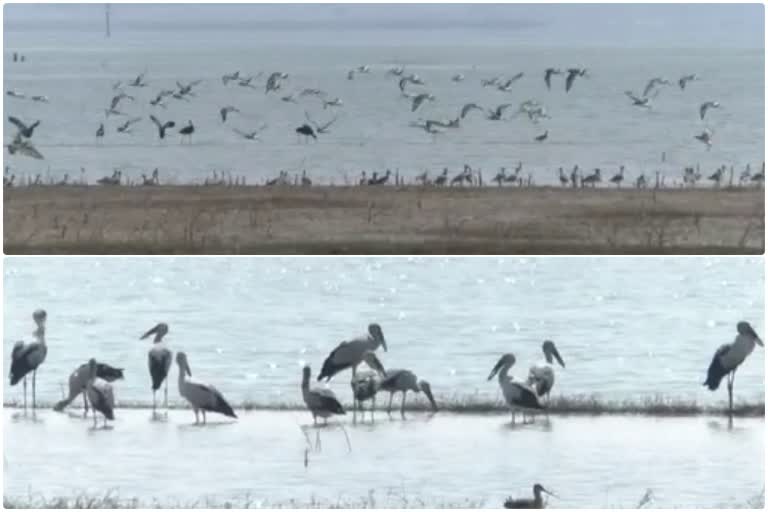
(381, 220)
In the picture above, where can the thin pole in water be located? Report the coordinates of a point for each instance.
(106, 13)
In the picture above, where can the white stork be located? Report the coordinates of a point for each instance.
(518, 396)
(729, 356)
(404, 381)
(100, 394)
(201, 396)
(349, 354)
(320, 402)
(541, 376)
(27, 357)
(159, 359)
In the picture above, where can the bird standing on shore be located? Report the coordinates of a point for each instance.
(27, 357)
(201, 396)
(517, 395)
(349, 354)
(78, 383)
(321, 402)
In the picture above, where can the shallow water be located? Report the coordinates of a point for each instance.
(628, 328)
(441, 459)
(593, 126)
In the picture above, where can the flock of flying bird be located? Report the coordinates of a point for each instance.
(92, 379)
(411, 87)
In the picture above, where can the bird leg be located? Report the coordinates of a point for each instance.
(197, 419)
(373, 407)
(166, 396)
(34, 378)
(85, 404)
(154, 402)
(389, 408)
(402, 406)
(204, 420)
(94, 418)
(731, 378)
(25, 395)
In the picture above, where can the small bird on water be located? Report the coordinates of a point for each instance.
(536, 502)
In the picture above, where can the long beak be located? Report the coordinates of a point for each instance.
(757, 338)
(550, 493)
(428, 391)
(375, 363)
(557, 356)
(383, 343)
(187, 369)
(149, 333)
(496, 369)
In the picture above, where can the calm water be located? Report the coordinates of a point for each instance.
(589, 462)
(593, 125)
(626, 327)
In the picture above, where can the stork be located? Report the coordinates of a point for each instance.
(159, 360)
(320, 402)
(100, 394)
(404, 381)
(349, 354)
(78, 383)
(366, 384)
(541, 376)
(27, 357)
(729, 357)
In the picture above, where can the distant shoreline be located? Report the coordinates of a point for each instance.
(381, 220)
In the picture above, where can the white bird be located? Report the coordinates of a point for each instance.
(99, 393)
(518, 396)
(404, 381)
(159, 360)
(365, 384)
(27, 357)
(349, 354)
(729, 357)
(78, 382)
(320, 401)
(541, 376)
(201, 396)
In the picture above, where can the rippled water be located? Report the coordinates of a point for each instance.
(445, 459)
(626, 327)
(594, 125)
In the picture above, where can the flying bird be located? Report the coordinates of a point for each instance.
(571, 77)
(320, 128)
(421, 98)
(252, 135)
(685, 79)
(706, 106)
(161, 127)
(126, 126)
(226, 110)
(24, 130)
(548, 75)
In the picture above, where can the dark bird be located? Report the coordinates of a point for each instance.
(654, 82)
(548, 75)
(100, 131)
(542, 137)
(25, 131)
(729, 357)
(161, 127)
(307, 131)
(319, 128)
(706, 106)
(226, 110)
(496, 115)
(27, 357)
(187, 131)
(99, 392)
(23, 148)
(126, 126)
(571, 77)
(637, 101)
(536, 502)
(200, 395)
(469, 107)
(138, 81)
(78, 381)
(159, 360)
(685, 79)
(349, 354)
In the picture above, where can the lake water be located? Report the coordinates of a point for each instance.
(594, 125)
(604, 462)
(628, 328)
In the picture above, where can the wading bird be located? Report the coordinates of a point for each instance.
(349, 354)
(320, 401)
(201, 396)
(27, 357)
(729, 357)
(404, 381)
(618, 178)
(78, 382)
(99, 393)
(517, 395)
(187, 131)
(159, 359)
(541, 376)
(536, 502)
(365, 384)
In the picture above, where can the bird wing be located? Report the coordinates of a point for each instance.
(397, 379)
(632, 96)
(501, 108)
(156, 121)
(569, 80)
(703, 110)
(17, 122)
(649, 86)
(326, 125)
(29, 150)
(417, 101)
(548, 78)
(310, 120)
(469, 106)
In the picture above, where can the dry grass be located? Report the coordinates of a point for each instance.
(381, 220)
(587, 405)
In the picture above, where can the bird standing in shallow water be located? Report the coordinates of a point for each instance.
(99, 392)
(201, 396)
(729, 357)
(349, 354)
(536, 502)
(541, 377)
(518, 396)
(320, 402)
(78, 383)
(159, 360)
(27, 357)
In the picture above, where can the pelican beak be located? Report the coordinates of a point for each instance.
(149, 332)
(427, 389)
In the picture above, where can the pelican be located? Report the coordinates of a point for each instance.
(541, 377)
(419, 99)
(320, 402)
(78, 382)
(366, 384)
(729, 356)
(159, 360)
(706, 106)
(99, 393)
(201, 396)
(226, 110)
(517, 395)
(548, 75)
(27, 357)
(349, 354)
(404, 381)
(536, 502)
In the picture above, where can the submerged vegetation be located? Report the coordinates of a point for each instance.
(656, 405)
